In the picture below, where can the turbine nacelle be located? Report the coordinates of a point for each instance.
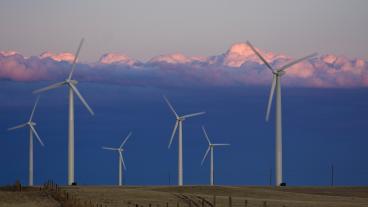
(211, 145)
(276, 73)
(179, 119)
(70, 83)
(74, 82)
(120, 150)
(279, 73)
(30, 124)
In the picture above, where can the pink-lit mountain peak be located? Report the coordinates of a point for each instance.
(176, 58)
(8, 53)
(240, 49)
(65, 56)
(117, 58)
(239, 53)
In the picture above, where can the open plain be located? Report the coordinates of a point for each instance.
(194, 196)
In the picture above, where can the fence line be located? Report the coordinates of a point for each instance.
(67, 199)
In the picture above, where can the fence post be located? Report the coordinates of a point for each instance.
(202, 202)
(230, 201)
(246, 203)
(177, 204)
(264, 203)
(214, 200)
(167, 204)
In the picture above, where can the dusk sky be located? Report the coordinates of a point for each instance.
(144, 29)
(193, 52)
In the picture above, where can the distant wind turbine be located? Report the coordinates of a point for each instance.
(121, 159)
(32, 131)
(179, 123)
(71, 84)
(210, 148)
(276, 84)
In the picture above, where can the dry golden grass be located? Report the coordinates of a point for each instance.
(254, 196)
(29, 197)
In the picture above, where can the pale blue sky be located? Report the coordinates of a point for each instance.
(143, 29)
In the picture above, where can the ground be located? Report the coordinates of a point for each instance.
(29, 197)
(196, 196)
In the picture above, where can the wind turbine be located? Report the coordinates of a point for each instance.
(211, 147)
(121, 159)
(179, 123)
(71, 84)
(276, 84)
(32, 131)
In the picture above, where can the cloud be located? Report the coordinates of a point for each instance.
(238, 66)
(116, 58)
(68, 57)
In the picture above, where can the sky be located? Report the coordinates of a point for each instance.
(193, 52)
(321, 127)
(144, 29)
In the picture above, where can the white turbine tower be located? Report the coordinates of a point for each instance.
(32, 131)
(71, 84)
(121, 159)
(276, 84)
(179, 123)
(211, 147)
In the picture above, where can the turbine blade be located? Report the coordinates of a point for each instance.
(171, 107)
(38, 137)
(34, 108)
(271, 97)
(260, 56)
(75, 59)
(81, 98)
(205, 135)
(122, 159)
(205, 155)
(220, 144)
(296, 61)
(126, 139)
(17, 127)
(110, 148)
(173, 133)
(55, 85)
(192, 115)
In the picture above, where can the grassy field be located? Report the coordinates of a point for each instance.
(29, 197)
(195, 196)
(240, 196)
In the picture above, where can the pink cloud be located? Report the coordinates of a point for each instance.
(68, 57)
(176, 58)
(116, 58)
(8, 53)
(237, 66)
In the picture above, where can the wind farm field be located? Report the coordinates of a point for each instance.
(195, 196)
(29, 197)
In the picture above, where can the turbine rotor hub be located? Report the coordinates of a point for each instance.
(280, 73)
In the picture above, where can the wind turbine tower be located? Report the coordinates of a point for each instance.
(71, 84)
(120, 151)
(276, 85)
(179, 123)
(211, 147)
(32, 131)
